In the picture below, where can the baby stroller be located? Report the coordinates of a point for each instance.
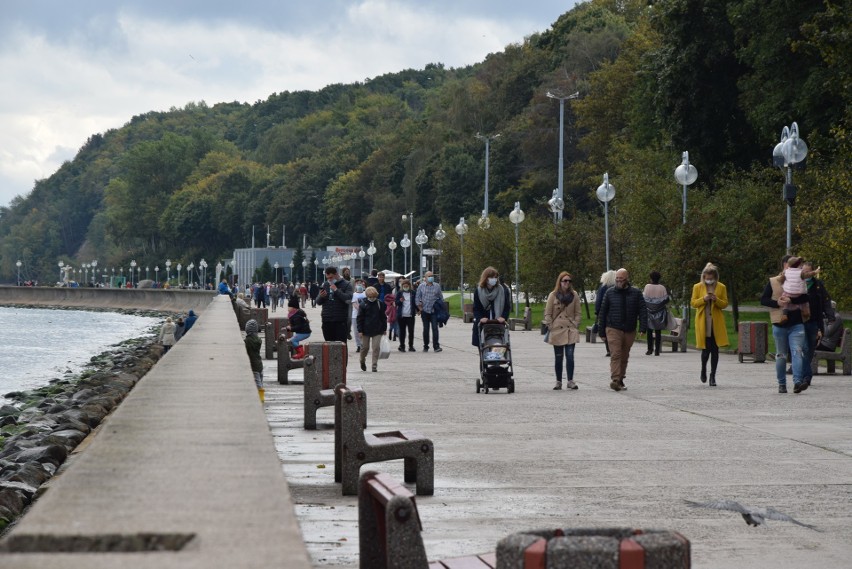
(495, 357)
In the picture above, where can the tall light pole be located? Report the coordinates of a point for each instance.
(361, 255)
(561, 189)
(85, 274)
(316, 264)
(147, 272)
(304, 269)
(410, 218)
(203, 265)
(556, 205)
(168, 270)
(405, 242)
(157, 274)
(421, 240)
(392, 247)
(605, 193)
(18, 264)
(179, 268)
(132, 268)
(791, 150)
(516, 216)
(440, 234)
(276, 265)
(487, 139)
(292, 266)
(94, 267)
(189, 269)
(685, 174)
(371, 250)
(61, 264)
(461, 229)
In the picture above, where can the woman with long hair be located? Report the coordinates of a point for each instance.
(709, 298)
(491, 301)
(607, 282)
(656, 301)
(562, 317)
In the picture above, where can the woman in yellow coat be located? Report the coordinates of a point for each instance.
(709, 296)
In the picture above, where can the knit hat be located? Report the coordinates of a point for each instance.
(293, 302)
(252, 327)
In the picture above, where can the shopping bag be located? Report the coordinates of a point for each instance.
(385, 349)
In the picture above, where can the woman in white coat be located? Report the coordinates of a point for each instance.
(167, 335)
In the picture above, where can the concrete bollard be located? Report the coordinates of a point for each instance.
(754, 341)
(594, 548)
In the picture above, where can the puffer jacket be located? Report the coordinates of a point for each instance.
(621, 308)
(371, 319)
(336, 306)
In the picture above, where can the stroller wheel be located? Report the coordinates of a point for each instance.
(511, 387)
(478, 386)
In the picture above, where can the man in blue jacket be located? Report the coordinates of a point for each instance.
(622, 306)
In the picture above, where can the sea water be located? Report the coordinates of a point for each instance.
(38, 344)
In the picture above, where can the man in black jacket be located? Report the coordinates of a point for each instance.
(821, 310)
(622, 306)
(335, 297)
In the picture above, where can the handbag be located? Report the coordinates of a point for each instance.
(384, 348)
(547, 335)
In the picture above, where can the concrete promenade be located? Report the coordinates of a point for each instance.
(590, 458)
(187, 455)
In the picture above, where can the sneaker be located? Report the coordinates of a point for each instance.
(571, 385)
(782, 389)
(797, 388)
(425, 348)
(558, 386)
(375, 369)
(439, 349)
(363, 366)
(401, 348)
(621, 383)
(411, 349)
(807, 381)
(615, 385)
(804, 385)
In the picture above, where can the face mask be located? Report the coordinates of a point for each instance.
(492, 281)
(359, 288)
(406, 288)
(709, 281)
(430, 279)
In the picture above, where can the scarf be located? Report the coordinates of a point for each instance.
(566, 298)
(491, 300)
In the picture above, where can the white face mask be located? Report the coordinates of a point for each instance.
(709, 281)
(492, 281)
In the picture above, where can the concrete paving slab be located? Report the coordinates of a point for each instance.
(592, 457)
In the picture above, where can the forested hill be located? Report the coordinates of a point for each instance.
(340, 165)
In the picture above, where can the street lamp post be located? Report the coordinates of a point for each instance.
(405, 242)
(605, 193)
(461, 229)
(791, 150)
(276, 265)
(316, 264)
(304, 269)
(371, 250)
(85, 274)
(410, 218)
(516, 216)
(94, 267)
(562, 99)
(392, 247)
(168, 270)
(421, 240)
(440, 234)
(132, 268)
(361, 255)
(18, 264)
(157, 274)
(189, 269)
(203, 265)
(292, 266)
(487, 140)
(685, 174)
(179, 267)
(556, 204)
(61, 264)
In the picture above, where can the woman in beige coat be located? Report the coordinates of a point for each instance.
(562, 317)
(167, 335)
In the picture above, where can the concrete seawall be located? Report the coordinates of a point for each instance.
(167, 300)
(184, 474)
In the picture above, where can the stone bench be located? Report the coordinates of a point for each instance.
(678, 336)
(389, 529)
(467, 313)
(753, 341)
(591, 337)
(525, 322)
(285, 362)
(274, 328)
(325, 366)
(353, 447)
(844, 356)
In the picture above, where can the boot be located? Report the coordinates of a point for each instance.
(712, 379)
(299, 353)
(558, 386)
(260, 394)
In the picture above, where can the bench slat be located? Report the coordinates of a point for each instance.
(469, 562)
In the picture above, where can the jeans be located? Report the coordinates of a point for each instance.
(298, 337)
(792, 339)
(430, 321)
(811, 331)
(565, 352)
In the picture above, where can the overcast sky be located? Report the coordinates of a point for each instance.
(73, 68)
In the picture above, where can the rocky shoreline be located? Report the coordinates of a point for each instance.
(39, 428)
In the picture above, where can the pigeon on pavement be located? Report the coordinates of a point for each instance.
(752, 516)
